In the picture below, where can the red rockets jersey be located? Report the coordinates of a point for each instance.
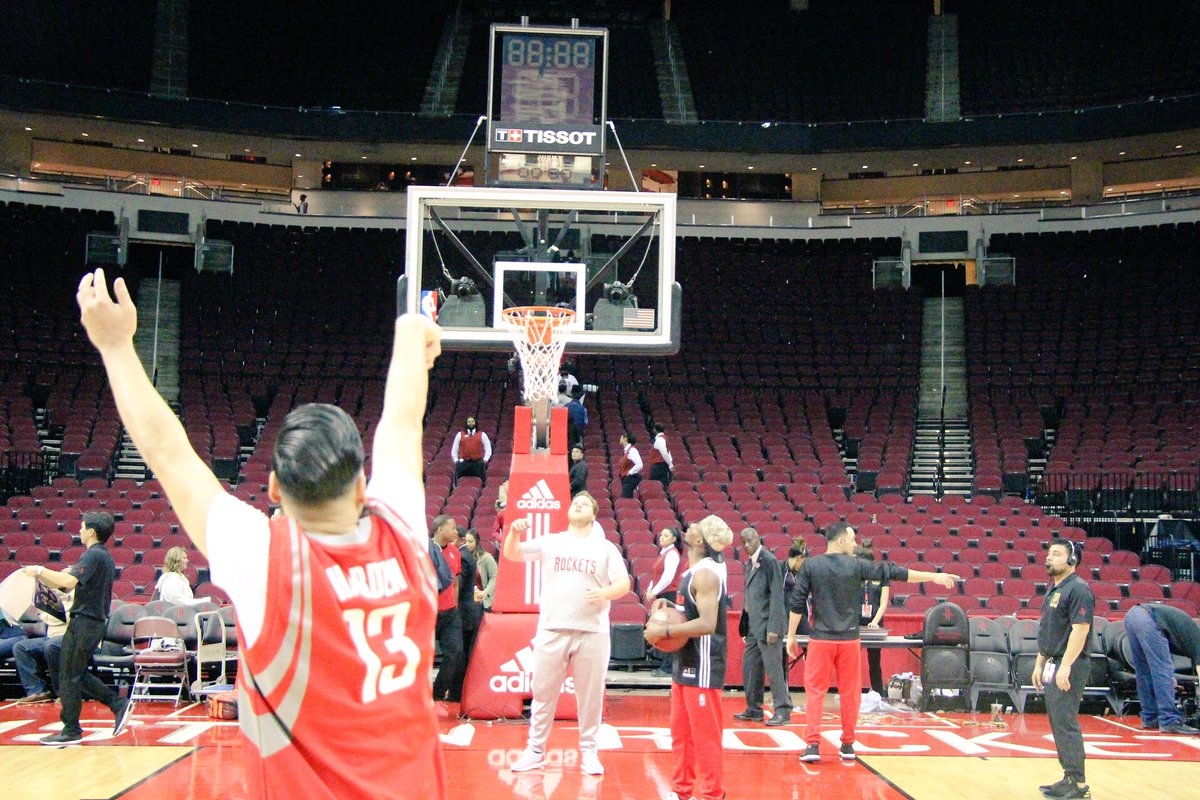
(339, 704)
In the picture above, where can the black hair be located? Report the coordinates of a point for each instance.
(865, 550)
(439, 521)
(798, 548)
(678, 534)
(1074, 549)
(101, 523)
(629, 437)
(658, 427)
(318, 453)
(835, 529)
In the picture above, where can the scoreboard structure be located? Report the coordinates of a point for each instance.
(547, 89)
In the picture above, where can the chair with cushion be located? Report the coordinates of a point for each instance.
(158, 673)
(945, 654)
(991, 665)
(1023, 651)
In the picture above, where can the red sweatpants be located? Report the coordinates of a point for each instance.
(824, 656)
(696, 742)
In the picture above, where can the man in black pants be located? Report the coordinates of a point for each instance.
(91, 578)
(449, 631)
(762, 626)
(1063, 635)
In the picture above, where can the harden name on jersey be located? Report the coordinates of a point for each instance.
(374, 581)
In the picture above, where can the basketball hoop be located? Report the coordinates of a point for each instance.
(540, 334)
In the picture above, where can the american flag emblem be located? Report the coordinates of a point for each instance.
(639, 318)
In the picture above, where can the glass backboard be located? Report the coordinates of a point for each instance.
(609, 256)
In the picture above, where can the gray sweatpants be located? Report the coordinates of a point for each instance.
(586, 654)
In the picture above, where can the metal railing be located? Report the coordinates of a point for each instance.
(20, 471)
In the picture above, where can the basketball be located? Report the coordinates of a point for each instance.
(669, 615)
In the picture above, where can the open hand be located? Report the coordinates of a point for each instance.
(108, 324)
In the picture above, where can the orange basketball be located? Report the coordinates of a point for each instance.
(669, 615)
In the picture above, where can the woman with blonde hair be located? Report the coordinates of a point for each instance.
(173, 584)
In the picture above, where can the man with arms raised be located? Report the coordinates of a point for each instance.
(582, 573)
(335, 597)
(834, 580)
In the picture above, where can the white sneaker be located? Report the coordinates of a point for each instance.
(590, 764)
(529, 759)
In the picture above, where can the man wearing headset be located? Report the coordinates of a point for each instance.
(1063, 635)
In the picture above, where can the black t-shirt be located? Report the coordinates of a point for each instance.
(872, 598)
(94, 571)
(836, 584)
(1069, 603)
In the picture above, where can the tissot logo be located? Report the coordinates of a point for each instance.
(516, 675)
(538, 498)
(536, 136)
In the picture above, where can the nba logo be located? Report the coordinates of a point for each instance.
(429, 304)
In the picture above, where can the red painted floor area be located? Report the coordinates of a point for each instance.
(760, 762)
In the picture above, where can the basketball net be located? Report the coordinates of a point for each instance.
(540, 333)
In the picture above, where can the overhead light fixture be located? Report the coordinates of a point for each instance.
(915, 164)
(1121, 153)
(83, 134)
(297, 155)
(246, 150)
(1064, 191)
(1020, 160)
(1074, 158)
(814, 169)
(28, 128)
(654, 165)
(864, 166)
(195, 145)
(141, 141)
(967, 162)
(412, 158)
(364, 158)
(1178, 147)
(750, 167)
(701, 167)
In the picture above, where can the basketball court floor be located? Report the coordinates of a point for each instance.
(182, 753)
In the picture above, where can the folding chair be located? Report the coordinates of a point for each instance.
(157, 672)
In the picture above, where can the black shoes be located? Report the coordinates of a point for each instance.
(1180, 728)
(1066, 789)
(121, 713)
(749, 715)
(778, 718)
(812, 754)
(62, 738)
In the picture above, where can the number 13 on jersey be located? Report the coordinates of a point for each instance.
(399, 650)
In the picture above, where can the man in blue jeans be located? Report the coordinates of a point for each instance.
(1155, 632)
(36, 652)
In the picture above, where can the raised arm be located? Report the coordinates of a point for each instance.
(154, 428)
(397, 444)
(512, 540)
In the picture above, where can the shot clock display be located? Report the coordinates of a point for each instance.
(546, 93)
